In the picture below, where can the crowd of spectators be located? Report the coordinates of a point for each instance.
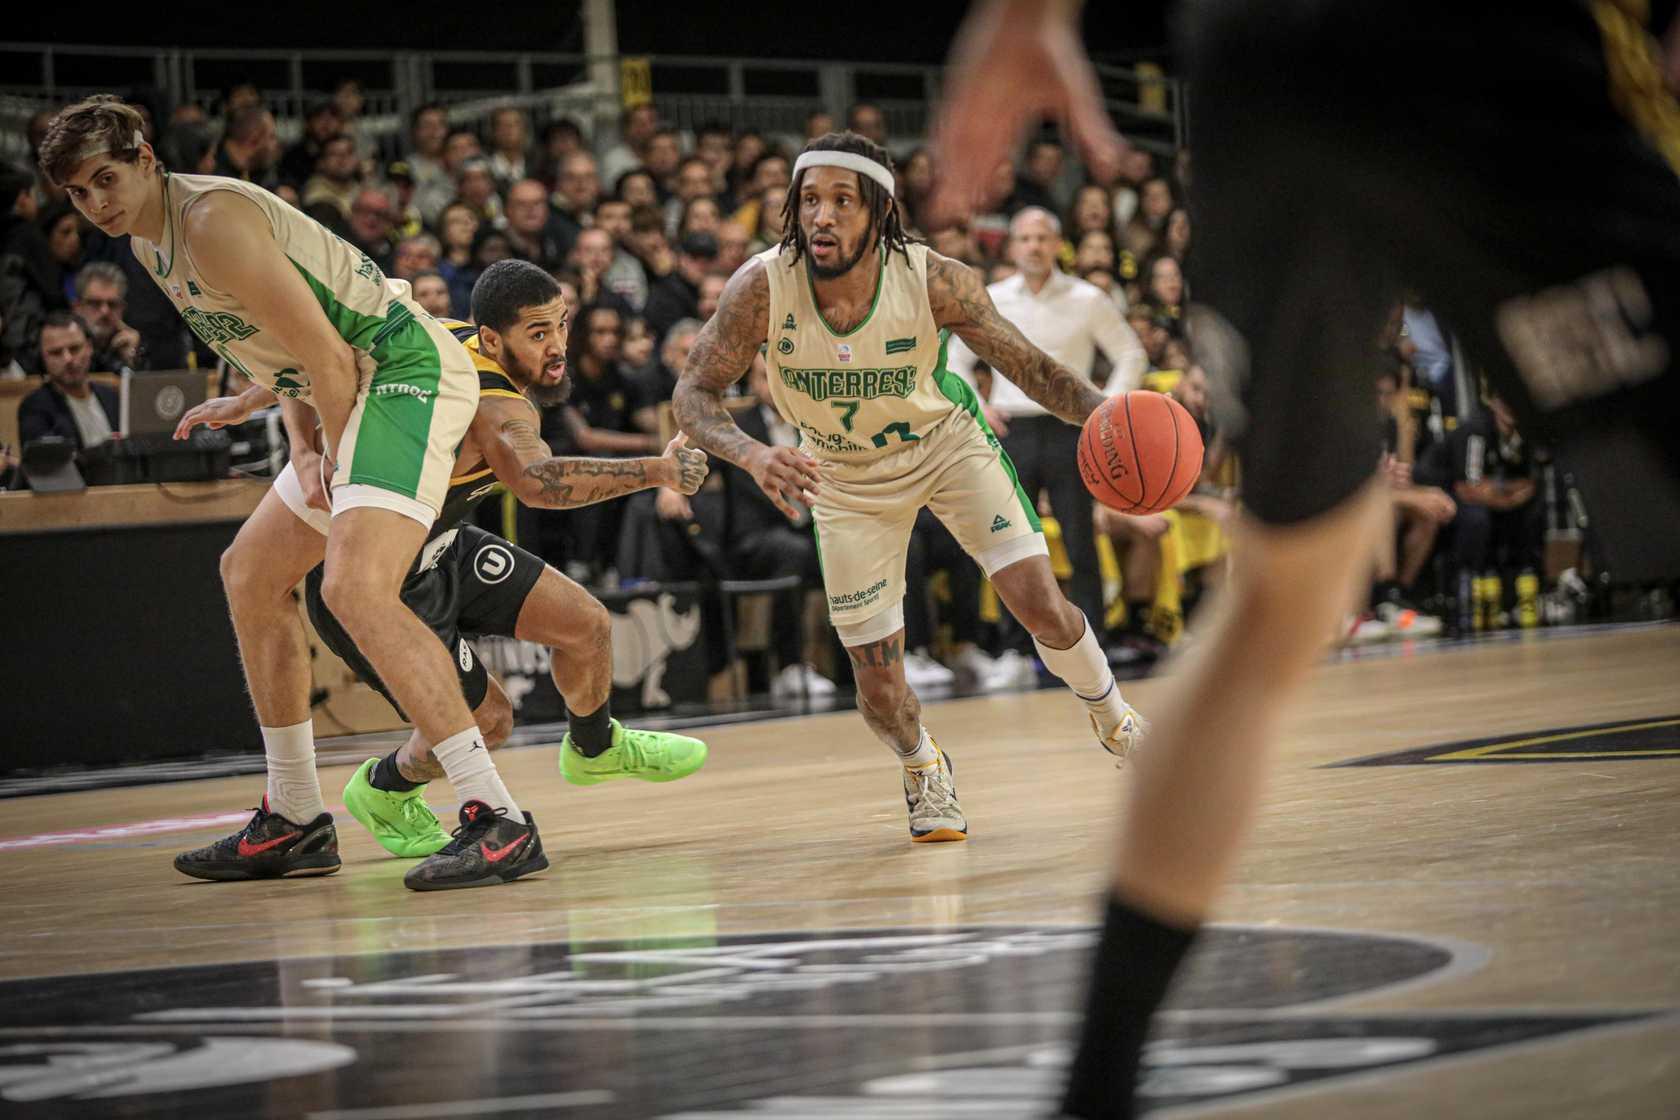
(644, 231)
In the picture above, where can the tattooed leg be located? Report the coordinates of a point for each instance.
(884, 697)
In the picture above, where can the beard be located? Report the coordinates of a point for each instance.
(547, 396)
(834, 272)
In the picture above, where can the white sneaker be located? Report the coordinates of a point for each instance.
(1125, 738)
(796, 682)
(1016, 670)
(924, 674)
(973, 663)
(1364, 628)
(1405, 622)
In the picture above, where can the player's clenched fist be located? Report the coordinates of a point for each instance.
(688, 465)
(786, 475)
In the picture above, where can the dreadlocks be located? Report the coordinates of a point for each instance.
(884, 220)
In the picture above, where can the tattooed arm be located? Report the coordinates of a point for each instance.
(722, 352)
(960, 302)
(506, 430)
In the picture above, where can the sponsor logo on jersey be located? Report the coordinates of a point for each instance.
(865, 384)
(858, 598)
(400, 389)
(217, 326)
(1000, 523)
(844, 351)
(193, 288)
(785, 346)
(900, 345)
(788, 323)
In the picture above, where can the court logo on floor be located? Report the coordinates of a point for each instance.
(1630, 740)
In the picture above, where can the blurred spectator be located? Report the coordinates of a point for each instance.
(1070, 320)
(711, 291)
(337, 174)
(1153, 328)
(239, 97)
(560, 139)
(818, 122)
(1104, 279)
(1095, 250)
(399, 177)
(714, 142)
(31, 283)
(577, 192)
(772, 219)
(1164, 284)
(867, 120)
(1092, 212)
(372, 217)
(664, 152)
(510, 145)
(538, 233)
(62, 227)
(1420, 512)
(489, 246)
(1499, 521)
(434, 182)
(320, 124)
(1176, 355)
(189, 113)
(415, 255)
(592, 257)
(660, 381)
(458, 227)
(954, 242)
(693, 182)
(771, 171)
(250, 148)
(636, 189)
(68, 405)
(677, 294)
(191, 149)
(1035, 183)
(1431, 352)
(638, 357)
(101, 300)
(733, 247)
(699, 215)
(625, 275)
(475, 186)
(431, 291)
(1001, 271)
(347, 95)
(915, 180)
(749, 146)
(1145, 230)
(650, 245)
(1177, 241)
(636, 127)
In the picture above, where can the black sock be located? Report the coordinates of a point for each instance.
(592, 734)
(1135, 962)
(387, 777)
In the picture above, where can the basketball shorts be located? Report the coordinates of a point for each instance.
(865, 512)
(476, 584)
(1518, 173)
(418, 395)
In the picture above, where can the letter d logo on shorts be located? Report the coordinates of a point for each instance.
(492, 564)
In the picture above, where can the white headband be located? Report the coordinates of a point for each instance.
(863, 165)
(100, 148)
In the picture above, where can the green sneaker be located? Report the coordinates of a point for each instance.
(403, 823)
(652, 756)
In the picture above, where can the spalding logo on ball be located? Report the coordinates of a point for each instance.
(1140, 452)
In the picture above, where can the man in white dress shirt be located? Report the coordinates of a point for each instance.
(1070, 320)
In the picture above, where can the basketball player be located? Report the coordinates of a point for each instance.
(856, 319)
(1323, 192)
(466, 580)
(303, 313)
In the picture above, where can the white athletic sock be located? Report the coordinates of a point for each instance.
(473, 774)
(1083, 667)
(924, 754)
(294, 791)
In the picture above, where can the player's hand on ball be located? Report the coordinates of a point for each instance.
(688, 465)
(787, 476)
(216, 413)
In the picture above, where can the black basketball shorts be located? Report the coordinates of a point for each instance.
(477, 584)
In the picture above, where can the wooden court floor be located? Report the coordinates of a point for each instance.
(1495, 933)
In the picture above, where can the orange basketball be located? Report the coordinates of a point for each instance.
(1140, 452)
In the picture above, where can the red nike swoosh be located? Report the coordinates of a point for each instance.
(496, 855)
(248, 849)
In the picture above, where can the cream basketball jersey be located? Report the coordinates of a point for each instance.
(868, 391)
(365, 307)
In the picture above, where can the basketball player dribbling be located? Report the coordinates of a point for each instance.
(855, 319)
(305, 314)
(1328, 178)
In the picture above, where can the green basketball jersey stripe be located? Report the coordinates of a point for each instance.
(961, 395)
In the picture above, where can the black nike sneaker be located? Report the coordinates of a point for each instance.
(488, 849)
(270, 847)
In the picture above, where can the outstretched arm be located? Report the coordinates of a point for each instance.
(724, 351)
(506, 430)
(960, 302)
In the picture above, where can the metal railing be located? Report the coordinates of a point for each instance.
(770, 95)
